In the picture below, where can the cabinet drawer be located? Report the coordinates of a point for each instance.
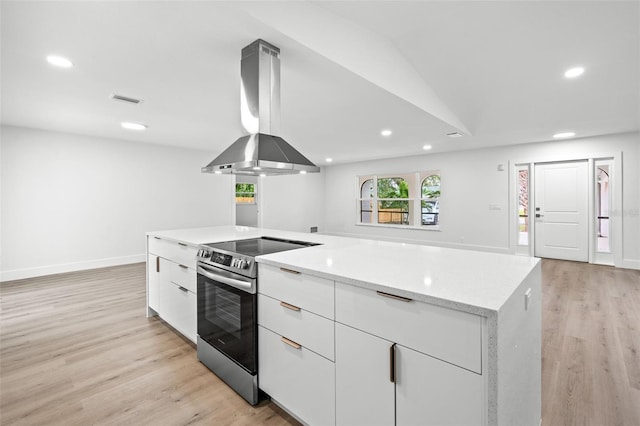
(447, 334)
(178, 309)
(180, 275)
(308, 329)
(299, 379)
(310, 293)
(181, 253)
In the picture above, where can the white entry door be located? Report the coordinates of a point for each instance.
(561, 211)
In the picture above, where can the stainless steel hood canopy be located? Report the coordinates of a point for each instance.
(260, 152)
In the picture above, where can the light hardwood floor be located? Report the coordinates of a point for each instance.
(77, 349)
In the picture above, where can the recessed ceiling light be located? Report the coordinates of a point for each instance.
(574, 72)
(426, 147)
(386, 132)
(564, 135)
(328, 160)
(303, 172)
(59, 61)
(218, 172)
(454, 135)
(263, 174)
(133, 126)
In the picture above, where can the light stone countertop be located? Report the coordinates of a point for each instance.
(469, 281)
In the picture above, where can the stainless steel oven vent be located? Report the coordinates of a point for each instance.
(261, 152)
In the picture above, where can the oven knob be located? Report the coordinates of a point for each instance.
(205, 254)
(246, 264)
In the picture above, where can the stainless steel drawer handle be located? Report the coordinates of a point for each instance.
(157, 238)
(182, 289)
(288, 306)
(182, 244)
(290, 343)
(184, 266)
(291, 271)
(393, 296)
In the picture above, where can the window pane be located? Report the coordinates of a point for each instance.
(430, 204)
(602, 207)
(245, 193)
(366, 211)
(431, 186)
(394, 212)
(523, 207)
(366, 190)
(392, 188)
(430, 212)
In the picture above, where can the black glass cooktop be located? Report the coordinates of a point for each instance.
(259, 246)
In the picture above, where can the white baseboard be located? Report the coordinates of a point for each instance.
(630, 264)
(19, 274)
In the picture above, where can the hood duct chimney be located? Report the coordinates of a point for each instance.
(261, 152)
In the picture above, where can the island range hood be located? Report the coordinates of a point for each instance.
(261, 152)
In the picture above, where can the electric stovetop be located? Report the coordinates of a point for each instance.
(259, 246)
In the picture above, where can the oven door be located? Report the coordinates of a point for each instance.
(227, 315)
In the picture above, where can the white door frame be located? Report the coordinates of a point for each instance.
(615, 208)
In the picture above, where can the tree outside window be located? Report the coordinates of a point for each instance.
(245, 193)
(393, 203)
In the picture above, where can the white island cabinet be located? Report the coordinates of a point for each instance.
(370, 332)
(387, 350)
(296, 343)
(172, 282)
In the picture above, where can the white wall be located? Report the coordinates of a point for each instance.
(471, 182)
(73, 202)
(292, 202)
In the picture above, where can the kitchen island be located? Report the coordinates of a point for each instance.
(385, 332)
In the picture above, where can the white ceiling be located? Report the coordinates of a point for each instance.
(349, 69)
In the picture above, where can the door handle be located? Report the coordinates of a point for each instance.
(392, 363)
(290, 343)
(289, 306)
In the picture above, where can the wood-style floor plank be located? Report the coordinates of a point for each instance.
(77, 349)
(590, 339)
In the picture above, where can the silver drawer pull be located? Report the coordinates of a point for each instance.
(182, 244)
(290, 343)
(183, 266)
(393, 296)
(291, 271)
(182, 289)
(288, 306)
(157, 238)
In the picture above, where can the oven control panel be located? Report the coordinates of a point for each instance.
(237, 262)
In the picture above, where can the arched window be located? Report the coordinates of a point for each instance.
(430, 200)
(400, 200)
(366, 201)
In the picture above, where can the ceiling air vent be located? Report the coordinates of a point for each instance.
(127, 99)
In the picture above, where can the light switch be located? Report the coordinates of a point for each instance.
(527, 299)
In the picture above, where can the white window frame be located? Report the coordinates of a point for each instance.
(414, 181)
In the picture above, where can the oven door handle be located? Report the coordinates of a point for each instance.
(241, 285)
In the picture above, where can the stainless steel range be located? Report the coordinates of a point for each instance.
(227, 309)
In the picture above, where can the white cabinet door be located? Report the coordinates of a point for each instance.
(178, 305)
(433, 392)
(364, 391)
(296, 377)
(153, 280)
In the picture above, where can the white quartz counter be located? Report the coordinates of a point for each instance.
(471, 281)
